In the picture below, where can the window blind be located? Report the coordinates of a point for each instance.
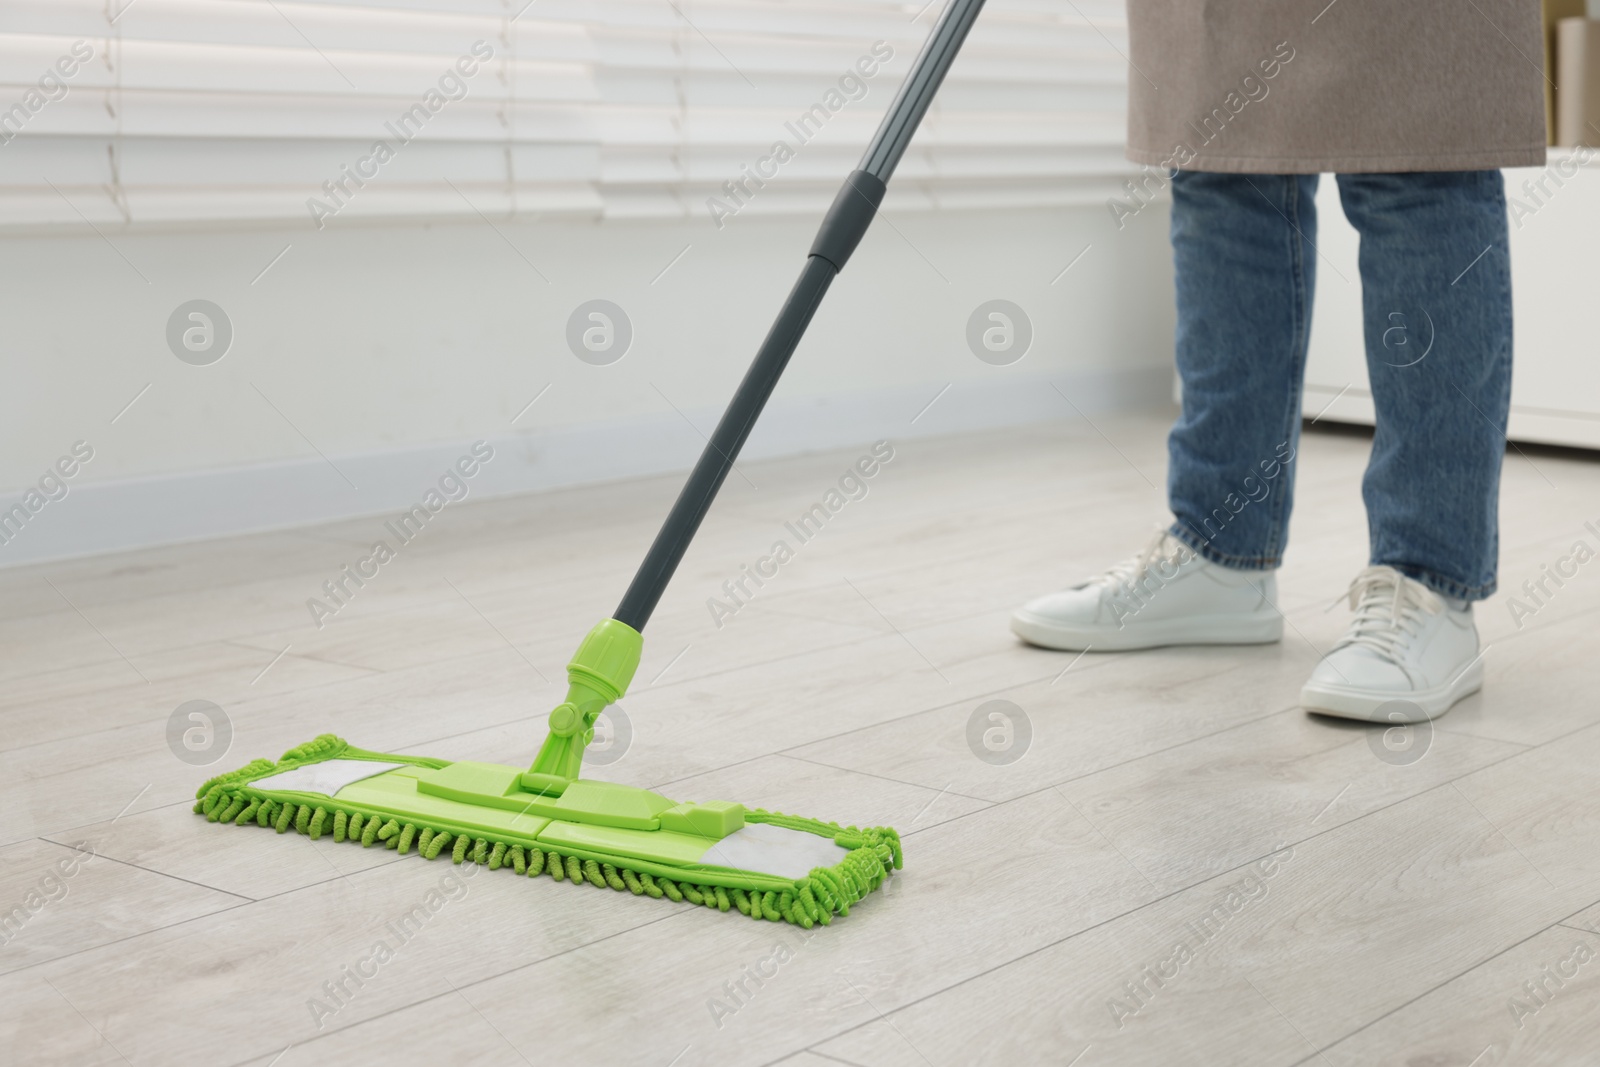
(197, 111)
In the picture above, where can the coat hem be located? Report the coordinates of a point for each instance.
(1475, 159)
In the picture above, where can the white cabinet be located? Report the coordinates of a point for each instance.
(1555, 287)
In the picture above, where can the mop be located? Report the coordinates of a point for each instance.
(549, 820)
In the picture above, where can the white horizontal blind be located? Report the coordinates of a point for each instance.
(241, 110)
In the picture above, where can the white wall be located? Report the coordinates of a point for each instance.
(389, 347)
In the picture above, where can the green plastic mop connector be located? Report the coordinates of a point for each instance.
(597, 677)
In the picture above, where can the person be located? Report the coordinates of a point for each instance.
(1240, 106)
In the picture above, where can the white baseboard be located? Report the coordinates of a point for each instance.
(1525, 424)
(97, 517)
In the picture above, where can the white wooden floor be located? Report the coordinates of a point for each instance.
(1444, 911)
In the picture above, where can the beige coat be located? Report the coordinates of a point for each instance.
(1300, 86)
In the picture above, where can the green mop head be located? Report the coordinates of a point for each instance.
(548, 820)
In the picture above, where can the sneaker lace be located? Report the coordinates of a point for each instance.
(1162, 548)
(1390, 609)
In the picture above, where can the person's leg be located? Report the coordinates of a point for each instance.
(1436, 294)
(1436, 298)
(1246, 269)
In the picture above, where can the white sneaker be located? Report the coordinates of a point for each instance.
(1168, 595)
(1407, 652)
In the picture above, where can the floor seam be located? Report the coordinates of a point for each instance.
(1420, 996)
(158, 874)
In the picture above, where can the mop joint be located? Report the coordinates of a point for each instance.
(850, 88)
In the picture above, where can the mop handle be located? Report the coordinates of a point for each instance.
(842, 229)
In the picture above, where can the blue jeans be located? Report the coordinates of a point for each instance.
(1436, 299)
